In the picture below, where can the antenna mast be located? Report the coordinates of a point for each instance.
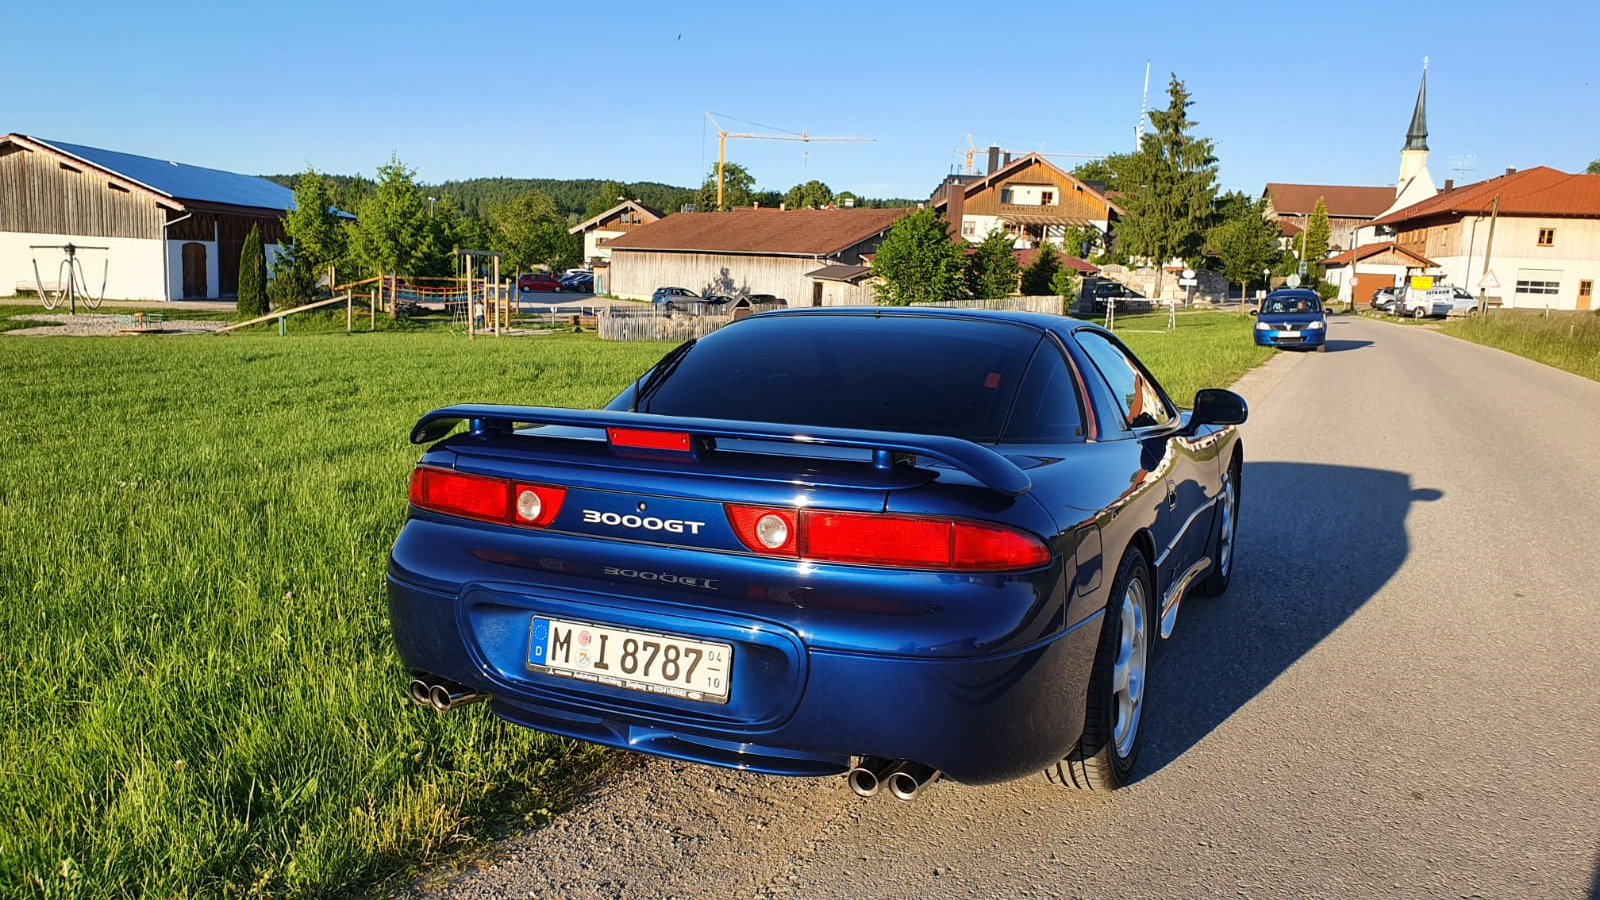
(1144, 101)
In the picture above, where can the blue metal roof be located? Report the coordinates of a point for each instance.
(184, 182)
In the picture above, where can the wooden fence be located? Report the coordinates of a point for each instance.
(649, 323)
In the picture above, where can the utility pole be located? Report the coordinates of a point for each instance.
(1488, 250)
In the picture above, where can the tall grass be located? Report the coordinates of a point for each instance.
(1207, 349)
(1566, 340)
(200, 694)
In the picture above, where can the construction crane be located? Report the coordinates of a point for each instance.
(971, 150)
(722, 145)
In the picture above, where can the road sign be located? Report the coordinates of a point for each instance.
(1488, 280)
(1189, 274)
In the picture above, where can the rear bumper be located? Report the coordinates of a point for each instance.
(793, 709)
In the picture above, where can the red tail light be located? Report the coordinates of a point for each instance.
(885, 540)
(484, 497)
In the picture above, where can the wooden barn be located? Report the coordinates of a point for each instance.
(746, 251)
(172, 231)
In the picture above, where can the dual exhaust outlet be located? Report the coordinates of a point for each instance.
(443, 695)
(903, 778)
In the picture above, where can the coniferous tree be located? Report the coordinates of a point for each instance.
(392, 225)
(1038, 277)
(1314, 240)
(253, 275)
(1167, 187)
(318, 234)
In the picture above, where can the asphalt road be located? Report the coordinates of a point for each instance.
(1398, 697)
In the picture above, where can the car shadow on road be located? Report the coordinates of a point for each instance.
(1335, 346)
(1315, 543)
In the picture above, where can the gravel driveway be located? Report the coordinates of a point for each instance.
(102, 324)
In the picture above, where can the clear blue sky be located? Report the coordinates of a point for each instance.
(1289, 92)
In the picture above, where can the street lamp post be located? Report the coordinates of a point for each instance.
(430, 206)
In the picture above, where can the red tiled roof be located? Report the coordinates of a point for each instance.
(1342, 201)
(1540, 191)
(1025, 259)
(1367, 251)
(794, 232)
(974, 184)
(1288, 229)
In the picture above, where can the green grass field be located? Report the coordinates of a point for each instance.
(201, 695)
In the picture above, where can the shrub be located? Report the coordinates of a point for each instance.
(293, 282)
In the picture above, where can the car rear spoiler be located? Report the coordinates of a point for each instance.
(991, 469)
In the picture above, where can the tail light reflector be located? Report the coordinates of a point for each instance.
(925, 542)
(647, 439)
(485, 497)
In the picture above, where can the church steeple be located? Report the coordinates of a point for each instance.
(1417, 134)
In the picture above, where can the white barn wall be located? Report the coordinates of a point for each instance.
(635, 274)
(134, 271)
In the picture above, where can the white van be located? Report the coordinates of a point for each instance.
(1437, 302)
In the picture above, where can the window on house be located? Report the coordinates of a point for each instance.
(1005, 195)
(969, 228)
(1547, 237)
(1047, 198)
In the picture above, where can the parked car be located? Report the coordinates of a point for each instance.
(721, 301)
(886, 543)
(1292, 318)
(768, 300)
(539, 281)
(1120, 295)
(580, 283)
(674, 297)
(1383, 299)
(570, 272)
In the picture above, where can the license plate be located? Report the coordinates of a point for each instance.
(635, 660)
(1289, 334)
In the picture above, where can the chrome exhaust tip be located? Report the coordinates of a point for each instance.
(909, 780)
(420, 693)
(445, 697)
(868, 775)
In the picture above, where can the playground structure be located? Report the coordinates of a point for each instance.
(70, 283)
(479, 302)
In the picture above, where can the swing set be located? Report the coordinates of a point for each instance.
(70, 283)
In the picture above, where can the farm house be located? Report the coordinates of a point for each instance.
(747, 251)
(171, 231)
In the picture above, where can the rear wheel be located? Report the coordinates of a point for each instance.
(1105, 755)
(1417, 313)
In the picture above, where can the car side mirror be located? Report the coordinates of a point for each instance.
(1216, 406)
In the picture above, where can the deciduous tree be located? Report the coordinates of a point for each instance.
(1594, 168)
(738, 188)
(811, 195)
(607, 195)
(918, 263)
(992, 267)
(1167, 186)
(530, 231)
(1245, 244)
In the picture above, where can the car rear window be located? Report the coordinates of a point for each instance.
(923, 375)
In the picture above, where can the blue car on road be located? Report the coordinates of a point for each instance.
(1292, 318)
(888, 543)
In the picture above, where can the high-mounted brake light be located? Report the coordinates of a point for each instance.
(647, 439)
(876, 539)
(485, 497)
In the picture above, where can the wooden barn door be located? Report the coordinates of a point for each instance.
(194, 271)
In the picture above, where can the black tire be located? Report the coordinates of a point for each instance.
(1109, 748)
(1418, 313)
(1221, 573)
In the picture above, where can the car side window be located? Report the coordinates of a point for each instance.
(1138, 398)
(1047, 408)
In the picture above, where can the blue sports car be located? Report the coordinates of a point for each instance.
(890, 543)
(1292, 317)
